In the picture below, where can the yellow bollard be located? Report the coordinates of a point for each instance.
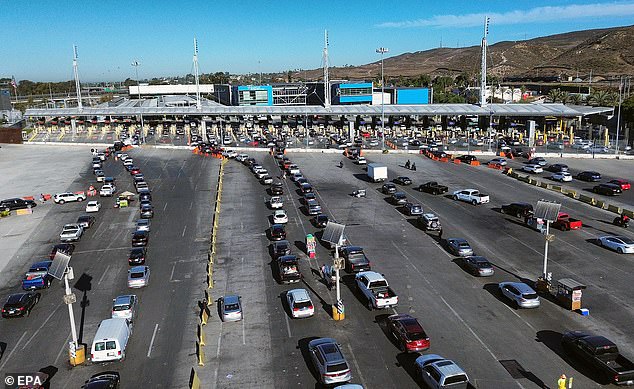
(194, 381)
(208, 298)
(204, 316)
(201, 355)
(210, 282)
(201, 335)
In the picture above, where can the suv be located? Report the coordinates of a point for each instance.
(388, 188)
(438, 372)
(521, 210)
(124, 307)
(313, 207)
(61, 198)
(104, 380)
(329, 361)
(355, 259)
(430, 222)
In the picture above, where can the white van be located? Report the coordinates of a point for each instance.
(110, 340)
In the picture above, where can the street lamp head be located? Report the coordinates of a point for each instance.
(382, 50)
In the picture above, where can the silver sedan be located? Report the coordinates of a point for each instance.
(459, 247)
(521, 294)
(620, 244)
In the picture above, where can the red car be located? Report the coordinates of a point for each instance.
(408, 332)
(135, 170)
(622, 183)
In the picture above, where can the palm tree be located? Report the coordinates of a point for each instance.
(599, 98)
(564, 97)
(576, 99)
(554, 95)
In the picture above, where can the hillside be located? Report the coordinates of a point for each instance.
(605, 52)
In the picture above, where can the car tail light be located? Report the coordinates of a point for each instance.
(295, 309)
(616, 378)
(119, 352)
(311, 307)
(21, 308)
(352, 266)
(92, 356)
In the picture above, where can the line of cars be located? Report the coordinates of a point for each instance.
(601, 354)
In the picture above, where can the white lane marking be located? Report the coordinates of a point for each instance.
(437, 293)
(103, 275)
(61, 350)
(165, 207)
(172, 274)
(184, 229)
(149, 350)
(244, 338)
(131, 217)
(288, 325)
(356, 365)
(191, 204)
(521, 318)
(41, 326)
(12, 351)
(101, 250)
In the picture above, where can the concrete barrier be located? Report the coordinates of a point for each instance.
(201, 354)
(201, 335)
(544, 185)
(629, 213)
(556, 188)
(601, 204)
(194, 380)
(587, 199)
(614, 209)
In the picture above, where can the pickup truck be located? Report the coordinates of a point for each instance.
(71, 233)
(472, 196)
(288, 269)
(565, 223)
(376, 290)
(37, 277)
(601, 354)
(433, 188)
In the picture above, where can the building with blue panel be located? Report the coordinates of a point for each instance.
(252, 95)
(352, 93)
(412, 96)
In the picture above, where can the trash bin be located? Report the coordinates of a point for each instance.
(77, 356)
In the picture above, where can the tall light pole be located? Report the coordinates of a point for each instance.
(618, 118)
(382, 51)
(136, 65)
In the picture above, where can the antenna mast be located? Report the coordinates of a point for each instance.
(76, 73)
(483, 72)
(326, 78)
(198, 105)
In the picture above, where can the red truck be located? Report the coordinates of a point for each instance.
(566, 223)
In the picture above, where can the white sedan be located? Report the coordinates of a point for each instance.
(93, 206)
(562, 177)
(620, 244)
(280, 217)
(276, 202)
(533, 168)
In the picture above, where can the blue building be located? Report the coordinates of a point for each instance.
(412, 96)
(252, 95)
(351, 93)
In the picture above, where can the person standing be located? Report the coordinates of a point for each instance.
(561, 382)
(440, 234)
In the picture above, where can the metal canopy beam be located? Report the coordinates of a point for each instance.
(524, 110)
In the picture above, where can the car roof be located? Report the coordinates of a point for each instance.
(520, 286)
(299, 294)
(42, 264)
(478, 259)
(14, 298)
(430, 216)
(371, 275)
(123, 300)
(458, 240)
(231, 299)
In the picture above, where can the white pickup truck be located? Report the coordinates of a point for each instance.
(472, 196)
(376, 290)
(71, 233)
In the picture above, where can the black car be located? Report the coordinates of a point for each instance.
(277, 232)
(103, 380)
(307, 188)
(355, 259)
(86, 221)
(557, 167)
(520, 210)
(467, 158)
(16, 204)
(140, 238)
(589, 176)
(402, 180)
(281, 248)
(145, 196)
(66, 248)
(398, 198)
(143, 203)
(20, 304)
(309, 196)
(321, 220)
(388, 188)
(137, 256)
(147, 212)
(608, 189)
(277, 189)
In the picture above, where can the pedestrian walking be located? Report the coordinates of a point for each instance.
(561, 382)
(414, 166)
(407, 164)
(440, 234)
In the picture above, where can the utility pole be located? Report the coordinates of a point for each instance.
(326, 76)
(136, 65)
(76, 73)
(618, 117)
(382, 51)
(198, 103)
(483, 71)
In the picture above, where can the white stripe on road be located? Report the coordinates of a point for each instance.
(244, 340)
(103, 275)
(184, 229)
(356, 365)
(11, 353)
(165, 207)
(149, 350)
(43, 324)
(172, 274)
(288, 325)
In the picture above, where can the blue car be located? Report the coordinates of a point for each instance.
(37, 277)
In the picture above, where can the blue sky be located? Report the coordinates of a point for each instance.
(253, 36)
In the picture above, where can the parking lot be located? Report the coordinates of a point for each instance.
(466, 318)
(183, 191)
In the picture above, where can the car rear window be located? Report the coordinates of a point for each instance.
(337, 367)
(417, 335)
(456, 379)
(529, 296)
(358, 257)
(121, 308)
(303, 304)
(100, 346)
(136, 275)
(231, 307)
(111, 345)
